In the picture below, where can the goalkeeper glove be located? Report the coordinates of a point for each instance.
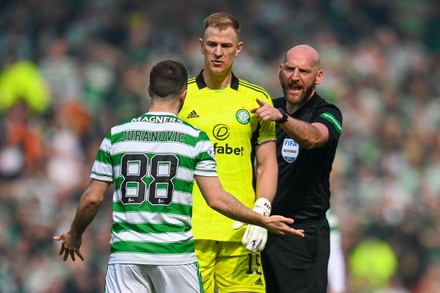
(255, 237)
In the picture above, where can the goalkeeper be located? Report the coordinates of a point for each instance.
(220, 103)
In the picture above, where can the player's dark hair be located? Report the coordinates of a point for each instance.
(222, 20)
(168, 78)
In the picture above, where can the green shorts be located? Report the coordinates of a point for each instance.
(229, 267)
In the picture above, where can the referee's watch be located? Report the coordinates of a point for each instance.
(284, 118)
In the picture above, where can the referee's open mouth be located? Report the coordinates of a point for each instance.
(294, 88)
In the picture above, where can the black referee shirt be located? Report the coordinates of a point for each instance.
(303, 184)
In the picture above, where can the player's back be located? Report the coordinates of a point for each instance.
(153, 159)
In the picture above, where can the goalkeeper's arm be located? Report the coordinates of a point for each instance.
(266, 174)
(255, 238)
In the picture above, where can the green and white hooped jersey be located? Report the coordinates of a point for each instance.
(152, 160)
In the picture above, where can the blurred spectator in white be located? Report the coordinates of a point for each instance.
(61, 72)
(100, 74)
(65, 162)
(337, 275)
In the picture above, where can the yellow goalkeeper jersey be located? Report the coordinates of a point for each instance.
(234, 132)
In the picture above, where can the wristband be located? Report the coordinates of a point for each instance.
(284, 118)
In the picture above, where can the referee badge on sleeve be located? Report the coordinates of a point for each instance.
(290, 150)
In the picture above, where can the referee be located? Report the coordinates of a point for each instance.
(308, 131)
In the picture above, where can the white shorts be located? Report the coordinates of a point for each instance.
(336, 264)
(126, 278)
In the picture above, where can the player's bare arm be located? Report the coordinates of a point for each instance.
(86, 211)
(226, 204)
(267, 170)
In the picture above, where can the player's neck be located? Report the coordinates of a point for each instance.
(217, 82)
(172, 108)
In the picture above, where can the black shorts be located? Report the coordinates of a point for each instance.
(295, 264)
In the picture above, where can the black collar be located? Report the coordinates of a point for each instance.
(202, 84)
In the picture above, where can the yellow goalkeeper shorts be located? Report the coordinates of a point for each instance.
(229, 267)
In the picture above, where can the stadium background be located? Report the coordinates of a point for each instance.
(71, 69)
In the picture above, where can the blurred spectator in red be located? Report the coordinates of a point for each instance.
(21, 145)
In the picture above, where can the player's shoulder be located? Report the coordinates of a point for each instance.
(189, 125)
(247, 86)
(196, 87)
(192, 80)
(121, 125)
(329, 112)
(329, 106)
(193, 129)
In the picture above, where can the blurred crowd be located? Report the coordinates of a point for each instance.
(70, 69)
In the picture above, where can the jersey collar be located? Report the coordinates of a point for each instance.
(202, 84)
